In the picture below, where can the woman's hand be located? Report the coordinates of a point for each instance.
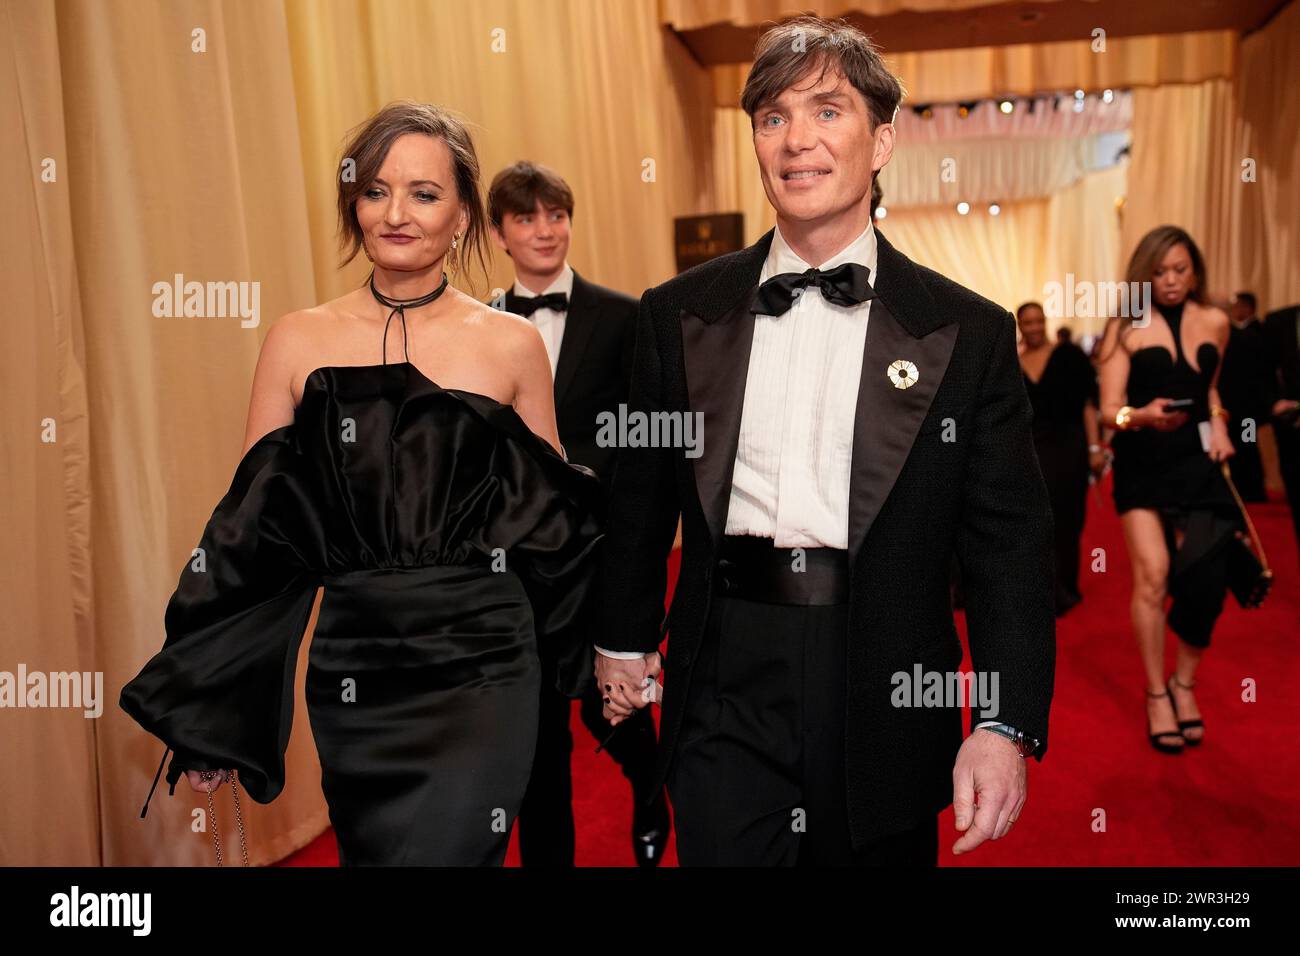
(1220, 444)
(215, 778)
(1153, 415)
(1097, 462)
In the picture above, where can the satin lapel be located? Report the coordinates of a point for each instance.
(716, 356)
(888, 417)
(579, 321)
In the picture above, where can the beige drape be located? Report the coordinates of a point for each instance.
(1192, 146)
(592, 88)
(984, 171)
(945, 76)
(218, 165)
(1010, 257)
(690, 14)
(49, 792)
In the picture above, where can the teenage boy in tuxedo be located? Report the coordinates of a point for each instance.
(589, 333)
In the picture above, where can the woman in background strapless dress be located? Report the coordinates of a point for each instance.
(431, 500)
(1177, 511)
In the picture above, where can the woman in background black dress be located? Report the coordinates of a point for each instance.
(452, 538)
(1177, 511)
(1062, 387)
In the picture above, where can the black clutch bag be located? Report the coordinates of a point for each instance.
(1249, 576)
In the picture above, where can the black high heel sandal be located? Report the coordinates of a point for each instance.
(1185, 724)
(1162, 746)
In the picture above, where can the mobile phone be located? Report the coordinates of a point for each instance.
(1178, 404)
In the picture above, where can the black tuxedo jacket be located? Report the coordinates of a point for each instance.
(915, 500)
(594, 370)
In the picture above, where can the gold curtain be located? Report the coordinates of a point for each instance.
(48, 789)
(1221, 160)
(983, 170)
(211, 155)
(594, 89)
(945, 76)
(692, 14)
(1010, 257)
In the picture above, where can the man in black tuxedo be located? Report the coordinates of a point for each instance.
(862, 422)
(1244, 387)
(589, 334)
(1282, 330)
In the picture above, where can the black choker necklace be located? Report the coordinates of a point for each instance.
(399, 307)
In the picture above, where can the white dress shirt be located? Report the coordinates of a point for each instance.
(548, 321)
(791, 477)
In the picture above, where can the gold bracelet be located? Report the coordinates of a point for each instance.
(1122, 416)
(1218, 410)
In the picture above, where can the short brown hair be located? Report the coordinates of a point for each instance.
(517, 189)
(786, 52)
(368, 146)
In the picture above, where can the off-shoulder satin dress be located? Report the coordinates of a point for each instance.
(456, 549)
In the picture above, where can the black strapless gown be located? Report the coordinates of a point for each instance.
(1169, 470)
(457, 550)
(1170, 473)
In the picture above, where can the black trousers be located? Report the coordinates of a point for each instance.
(1064, 463)
(1288, 453)
(1246, 466)
(546, 827)
(758, 774)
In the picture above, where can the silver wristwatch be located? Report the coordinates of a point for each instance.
(1027, 746)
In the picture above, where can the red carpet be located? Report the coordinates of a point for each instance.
(1102, 796)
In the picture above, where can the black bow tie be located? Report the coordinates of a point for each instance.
(846, 284)
(526, 305)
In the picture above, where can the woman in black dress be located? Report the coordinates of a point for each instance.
(1062, 387)
(1159, 373)
(430, 497)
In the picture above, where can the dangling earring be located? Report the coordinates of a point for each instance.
(366, 250)
(455, 256)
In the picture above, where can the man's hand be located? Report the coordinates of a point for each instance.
(988, 767)
(623, 683)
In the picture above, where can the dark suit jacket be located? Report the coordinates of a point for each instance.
(1245, 377)
(1284, 353)
(594, 370)
(915, 500)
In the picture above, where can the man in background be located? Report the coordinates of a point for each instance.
(1245, 386)
(589, 333)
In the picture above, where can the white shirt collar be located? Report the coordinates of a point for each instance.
(563, 283)
(781, 258)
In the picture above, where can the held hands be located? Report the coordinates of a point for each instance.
(627, 685)
(988, 769)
